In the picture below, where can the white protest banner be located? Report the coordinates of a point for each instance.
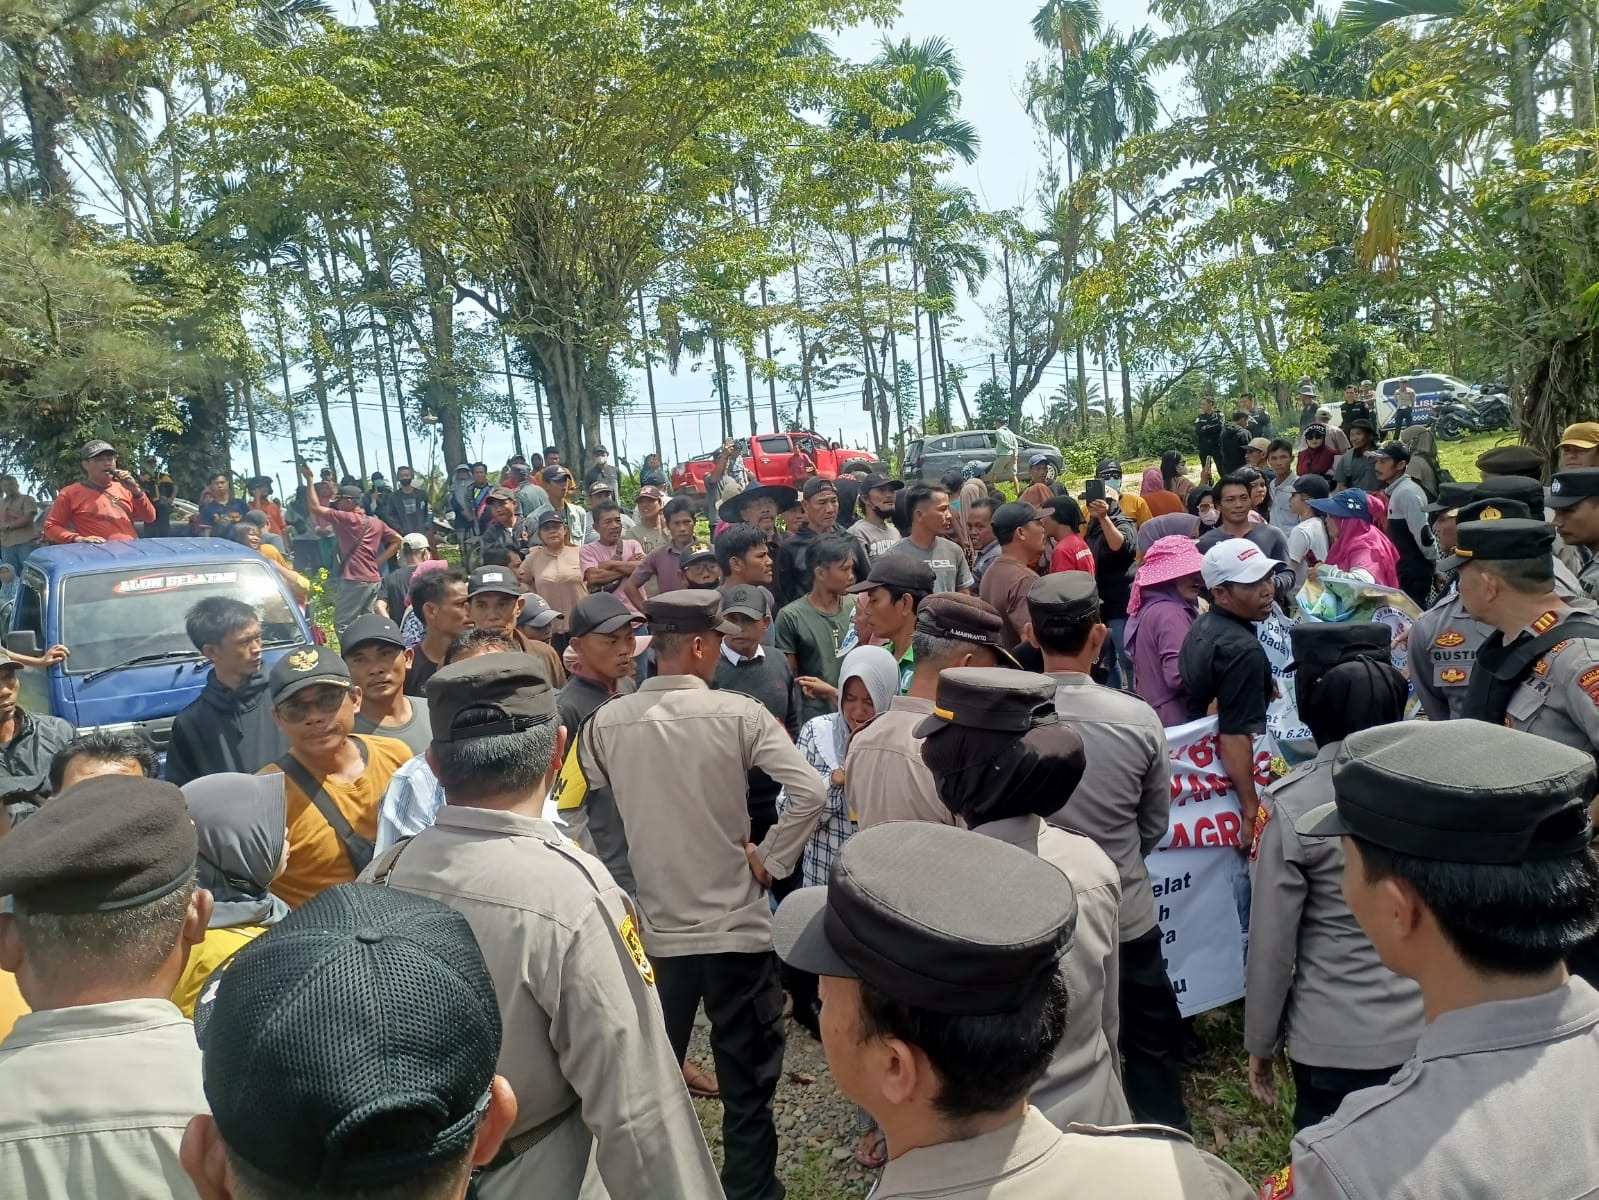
(1197, 892)
(1199, 873)
(1289, 737)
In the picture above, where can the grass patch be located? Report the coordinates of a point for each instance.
(1228, 1120)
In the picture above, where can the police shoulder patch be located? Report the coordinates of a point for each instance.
(1558, 647)
(635, 949)
(1546, 622)
(1588, 678)
(1262, 818)
(1278, 1186)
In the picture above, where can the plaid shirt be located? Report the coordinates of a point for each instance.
(836, 826)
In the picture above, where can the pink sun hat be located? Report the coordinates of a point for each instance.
(1167, 560)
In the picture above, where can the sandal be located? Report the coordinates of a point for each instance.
(701, 1083)
(871, 1150)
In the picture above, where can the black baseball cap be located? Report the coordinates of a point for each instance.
(506, 693)
(370, 628)
(930, 915)
(878, 480)
(1570, 488)
(96, 449)
(1438, 789)
(1107, 466)
(366, 1012)
(493, 579)
(1397, 451)
(1315, 487)
(600, 612)
(816, 485)
(897, 570)
(555, 474)
(747, 600)
(1010, 517)
(536, 611)
(306, 667)
(697, 553)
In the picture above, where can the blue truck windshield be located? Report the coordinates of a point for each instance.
(110, 617)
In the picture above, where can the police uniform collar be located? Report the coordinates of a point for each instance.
(495, 820)
(674, 683)
(1506, 1024)
(92, 1020)
(996, 1154)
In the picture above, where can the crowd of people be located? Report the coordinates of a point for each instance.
(431, 910)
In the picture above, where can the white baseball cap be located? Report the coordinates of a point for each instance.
(1237, 560)
(415, 541)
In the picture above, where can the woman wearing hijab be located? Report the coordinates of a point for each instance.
(1423, 466)
(1003, 761)
(1164, 603)
(242, 824)
(1318, 456)
(1202, 506)
(1355, 546)
(868, 680)
(1155, 489)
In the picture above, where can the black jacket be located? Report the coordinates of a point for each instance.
(1113, 569)
(1207, 431)
(1235, 441)
(225, 731)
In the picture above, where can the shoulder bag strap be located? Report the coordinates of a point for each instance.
(358, 848)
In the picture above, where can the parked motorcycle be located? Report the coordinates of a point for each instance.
(1455, 416)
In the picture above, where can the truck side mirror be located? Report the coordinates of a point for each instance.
(23, 641)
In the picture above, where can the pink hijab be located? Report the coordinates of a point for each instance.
(1153, 481)
(1358, 546)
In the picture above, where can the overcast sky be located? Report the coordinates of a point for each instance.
(994, 43)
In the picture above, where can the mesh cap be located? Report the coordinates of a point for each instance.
(353, 1044)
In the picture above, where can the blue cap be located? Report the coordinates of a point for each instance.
(1351, 502)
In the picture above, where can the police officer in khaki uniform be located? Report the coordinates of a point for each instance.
(98, 1082)
(1003, 761)
(942, 992)
(1444, 640)
(1313, 978)
(1539, 669)
(1479, 901)
(587, 1053)
(658, 784)
(1574, 497)
(1124, 805)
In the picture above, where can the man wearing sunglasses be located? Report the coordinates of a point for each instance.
(334, 778)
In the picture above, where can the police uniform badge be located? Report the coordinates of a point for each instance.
(635, 949)
(1279, 1185)
(1490, 514)
(1452, 675)
(303, 661)
(1448, 639)
(1546, 622)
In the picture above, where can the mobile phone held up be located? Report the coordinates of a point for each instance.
(1094, 489)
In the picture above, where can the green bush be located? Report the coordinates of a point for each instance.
(1166, 430)
(1083, 455)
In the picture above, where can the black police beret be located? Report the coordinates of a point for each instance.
(112, 842)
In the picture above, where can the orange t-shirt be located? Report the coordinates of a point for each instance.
(317, 857)
(86, 511)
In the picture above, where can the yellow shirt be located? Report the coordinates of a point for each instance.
(12, 1005)
(317, 857)
(218, 946)
(1135, 506)
(302, 585)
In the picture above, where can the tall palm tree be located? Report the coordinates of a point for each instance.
(1123, 104)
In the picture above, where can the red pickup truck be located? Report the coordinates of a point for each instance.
(769, 461)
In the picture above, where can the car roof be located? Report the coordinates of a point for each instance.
(81, 559)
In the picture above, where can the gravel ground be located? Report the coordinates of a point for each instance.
(816, 1126)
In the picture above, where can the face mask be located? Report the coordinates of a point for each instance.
(1209, 518)
(1113, 482)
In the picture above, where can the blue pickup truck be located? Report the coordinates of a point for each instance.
(120, 608)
